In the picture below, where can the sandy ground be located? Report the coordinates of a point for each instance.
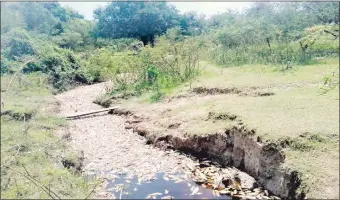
(110, 148)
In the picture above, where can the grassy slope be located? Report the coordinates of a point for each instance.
(40, 150)
(297, 114)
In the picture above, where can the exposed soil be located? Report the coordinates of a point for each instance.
(236, 146)
(246, 91)
(108, 147)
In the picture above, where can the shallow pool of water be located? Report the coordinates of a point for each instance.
(176, 186)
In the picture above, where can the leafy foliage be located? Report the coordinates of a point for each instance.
(73, 50)
(276, 33)
(17, 43)
(150, 69)
(143, 20)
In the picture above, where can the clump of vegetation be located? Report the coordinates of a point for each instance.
(37, 34)
(288, 37)
(166, 65)
(31, 165)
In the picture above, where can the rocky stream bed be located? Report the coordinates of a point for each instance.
(131, 168)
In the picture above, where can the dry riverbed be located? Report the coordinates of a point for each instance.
(125, 162)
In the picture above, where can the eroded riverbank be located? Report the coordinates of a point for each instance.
(110, 150)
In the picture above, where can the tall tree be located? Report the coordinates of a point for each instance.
(192, 23)
(143, 20)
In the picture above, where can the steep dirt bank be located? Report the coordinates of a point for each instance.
(237, 146)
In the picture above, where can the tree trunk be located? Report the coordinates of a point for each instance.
(144, 39)
(148, 39)
(152, 40)
(268, 42)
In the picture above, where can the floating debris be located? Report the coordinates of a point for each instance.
(197, 180)
(223, 182)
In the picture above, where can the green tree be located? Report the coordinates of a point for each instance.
(192, 23)
(16, 43)
(142, 20)
(324, 12)
(63, 14)
(82, 27)
(10, 18)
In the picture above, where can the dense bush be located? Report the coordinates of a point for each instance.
(17, 43)
(148, 69)
(233, 47)
(62, 65)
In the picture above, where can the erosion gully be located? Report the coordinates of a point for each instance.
(131, 168)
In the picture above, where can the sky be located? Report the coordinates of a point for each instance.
(207, 8)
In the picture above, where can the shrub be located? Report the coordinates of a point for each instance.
(16, 44)
(168, 64)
